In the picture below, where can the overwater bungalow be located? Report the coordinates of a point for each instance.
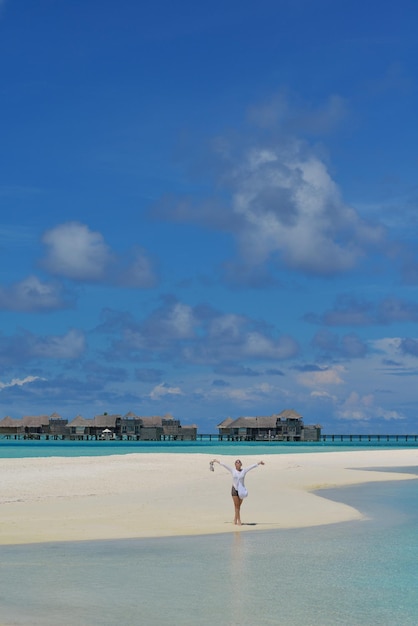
(35, 425)
(116, 426)
(10, 426)
(80, 427)
(103, 422)
(285, 426)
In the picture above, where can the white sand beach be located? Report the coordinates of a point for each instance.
(168, 494)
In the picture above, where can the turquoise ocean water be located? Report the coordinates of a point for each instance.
(11, 448)
(352, 574)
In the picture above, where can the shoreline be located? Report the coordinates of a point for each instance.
(62, 499)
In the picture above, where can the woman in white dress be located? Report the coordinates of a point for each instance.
(238, 491)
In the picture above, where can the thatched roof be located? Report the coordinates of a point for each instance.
(105, 421)
(9, 422)
(290, 414)
(35, 421)
(152, 421)
(225, 423)
(255, 422)
(260, 421)
(81, 421)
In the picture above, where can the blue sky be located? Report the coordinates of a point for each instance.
(210, 210)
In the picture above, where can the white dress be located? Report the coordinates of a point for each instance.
(238, 477)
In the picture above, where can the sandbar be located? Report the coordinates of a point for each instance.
(172, 494)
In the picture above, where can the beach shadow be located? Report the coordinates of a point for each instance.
(269, 524)
(243, 524)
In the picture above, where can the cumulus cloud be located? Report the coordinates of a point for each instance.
(201, 335)
(163, 390)
(387, 345)
(278, 199)
(394, 348)
(231, 337)
(168, 327)
(291, 207)
(258, 345)
(328, 376)
(350, 310)
(247, 395)
(323, 395)
(74, 251)
(25, 346)
(31, 294)
(68, 346)
(362, 408)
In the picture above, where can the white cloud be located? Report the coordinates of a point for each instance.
(323, 395)
(201, 335)
(387, 345)
(289, 205)
(226, 325)
(19, 382)
(362, 409)
(230, 336)
(32, 294)
(68, 346)
(279, 200)
(257, 345)
(330, 376)
(255, 393)
(162, 390)
(76, 252)
(180, 321)
(395, 348)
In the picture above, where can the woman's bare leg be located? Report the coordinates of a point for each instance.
(237, 505)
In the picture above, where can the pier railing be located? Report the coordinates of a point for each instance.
(323, 438)
(369, 438)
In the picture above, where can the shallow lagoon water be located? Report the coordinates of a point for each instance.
(21, 448)
(350, 574)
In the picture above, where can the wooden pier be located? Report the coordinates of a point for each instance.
(216, 437)
(369, 438)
